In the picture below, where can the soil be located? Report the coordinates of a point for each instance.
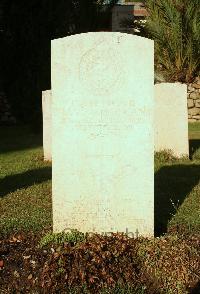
(26, 268)
(21, 263)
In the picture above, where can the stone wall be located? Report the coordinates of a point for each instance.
(194, 101)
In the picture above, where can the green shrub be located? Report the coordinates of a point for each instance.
(196, 155)
(165, 156)
(175, 26)
(73, 237)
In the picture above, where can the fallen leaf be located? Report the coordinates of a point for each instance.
(16, 274)
(33, 262)
(1, 263)
(20, 238)
(27, 257)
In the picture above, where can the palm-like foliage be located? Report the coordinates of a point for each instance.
(175, 27)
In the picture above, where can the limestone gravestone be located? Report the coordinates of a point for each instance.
(103, 137)
(47, 120)
(171, 118)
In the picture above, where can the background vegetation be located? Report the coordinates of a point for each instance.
(28, 28)
(174, 25)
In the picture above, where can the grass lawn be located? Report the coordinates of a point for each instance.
(25, 185)
(25, 182)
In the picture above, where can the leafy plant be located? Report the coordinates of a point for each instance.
(174, 25)
(196, 155)
(73, 237)
(165, 156)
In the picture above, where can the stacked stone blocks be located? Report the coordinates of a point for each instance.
(194, 100)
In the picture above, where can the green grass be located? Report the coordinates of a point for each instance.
(25, 182)
(72, 237)
(194, 130)
(177, 189)
(194, 134)
(25, 185)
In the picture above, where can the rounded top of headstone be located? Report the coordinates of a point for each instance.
(96, 35)
(101, 61)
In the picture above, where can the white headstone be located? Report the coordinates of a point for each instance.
(47, 120)
(103, 137)
(171, 118)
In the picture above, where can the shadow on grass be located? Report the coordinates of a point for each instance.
(24, 180)
(172, 185)
(14, 138)
(194, 144)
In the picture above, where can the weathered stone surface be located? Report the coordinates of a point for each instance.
(190, 89)
(190, 103)
(197, 117)
(171, 118)
(47, 124)
(194, 95)
(197, 103)
(102, 89)
(197, 80)
(196, 86)
(194, 111)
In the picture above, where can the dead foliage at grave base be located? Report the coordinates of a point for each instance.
(101, 264)
(98, 263)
